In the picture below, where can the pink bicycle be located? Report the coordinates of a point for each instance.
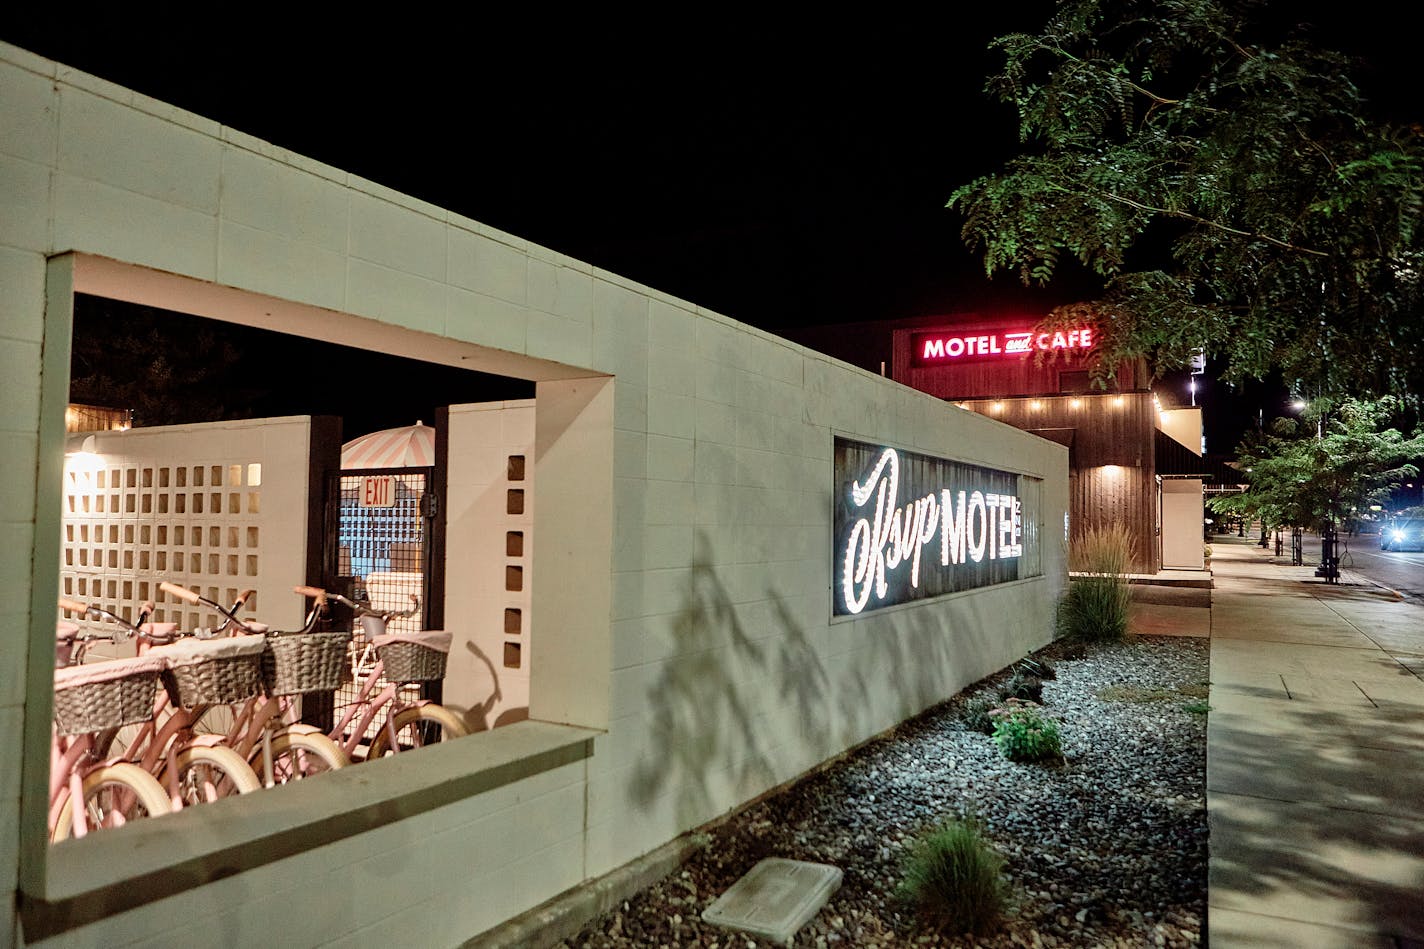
(198, 672)
(264, 729)
(402, 659)
(90, 704)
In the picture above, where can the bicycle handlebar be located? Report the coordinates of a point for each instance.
(322, 596)
(182, 593)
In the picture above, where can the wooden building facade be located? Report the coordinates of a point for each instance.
(1039, 383)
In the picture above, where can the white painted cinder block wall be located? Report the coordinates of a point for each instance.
(726, 676)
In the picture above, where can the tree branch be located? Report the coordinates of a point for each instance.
(1286, 245)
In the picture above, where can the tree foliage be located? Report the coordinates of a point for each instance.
(1225, 183)
(1330, 465)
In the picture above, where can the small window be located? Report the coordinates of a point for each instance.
(514, 543)
(516, 467)
(514, 503)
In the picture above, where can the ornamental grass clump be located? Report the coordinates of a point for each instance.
(1023, 733)
(1095, 608)
(955, 879)
(1020, 685)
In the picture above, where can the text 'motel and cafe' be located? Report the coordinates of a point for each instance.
(1132, 460)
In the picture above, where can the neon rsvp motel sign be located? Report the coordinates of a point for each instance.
(911, 526)
(938, 348)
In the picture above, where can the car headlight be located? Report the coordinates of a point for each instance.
(1399, 535)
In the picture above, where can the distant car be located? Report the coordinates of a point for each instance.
(1403, 535)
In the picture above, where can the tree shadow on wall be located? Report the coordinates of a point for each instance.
(710, 707)
(1361, 852)
(729, 694)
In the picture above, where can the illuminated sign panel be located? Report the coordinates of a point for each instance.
(947, 348)
(910, 526)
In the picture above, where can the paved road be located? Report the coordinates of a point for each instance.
(1399, 570)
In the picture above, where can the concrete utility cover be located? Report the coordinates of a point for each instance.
(775, 898)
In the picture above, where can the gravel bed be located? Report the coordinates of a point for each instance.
(1105, 848)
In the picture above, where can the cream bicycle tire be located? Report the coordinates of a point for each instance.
(321, 751)
(144, 787)
(450, 725)
(240, 778)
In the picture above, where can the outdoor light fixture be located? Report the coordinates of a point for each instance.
(1076, 403)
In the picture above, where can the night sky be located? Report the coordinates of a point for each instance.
(787, 176)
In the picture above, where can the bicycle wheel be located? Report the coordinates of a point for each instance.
(419, 725)
(114, 795)
(208, 773)
(298, 755)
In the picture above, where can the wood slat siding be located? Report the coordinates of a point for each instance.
(1101, 431)
(1103, 496)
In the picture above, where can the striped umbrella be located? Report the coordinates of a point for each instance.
(411, 446)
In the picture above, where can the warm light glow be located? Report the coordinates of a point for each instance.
(83, 462)
(1112, 471)
(1035, 405)
(1117, 402)
(997, 406)
(1076, 403)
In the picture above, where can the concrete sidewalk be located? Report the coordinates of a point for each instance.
(1315, 758)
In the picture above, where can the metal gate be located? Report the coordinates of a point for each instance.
(380, 554)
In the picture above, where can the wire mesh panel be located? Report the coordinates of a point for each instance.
(382, 534)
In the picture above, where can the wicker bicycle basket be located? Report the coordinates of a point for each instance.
(305, 662)
(411, 662)
(215, 672)
(120, 693)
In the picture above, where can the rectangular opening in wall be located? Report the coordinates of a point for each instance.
(512, 655)
(513, 578)
(512, 622)
(516, 468)
(514, 543)
(514, 501)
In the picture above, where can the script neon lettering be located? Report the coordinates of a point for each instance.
(971, 526)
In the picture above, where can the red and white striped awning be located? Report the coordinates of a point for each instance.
(412, 446)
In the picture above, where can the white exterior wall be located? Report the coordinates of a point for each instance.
(1182, 517)
(1184, 426)
(704, 648)
(479, 683)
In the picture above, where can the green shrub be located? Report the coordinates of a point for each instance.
(1196, 708)
(955, 878)
(1024, 734)
(1038, 668)
(976, 715)
(1022, 686)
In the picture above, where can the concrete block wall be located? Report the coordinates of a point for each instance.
(486, 682)
(704, 652)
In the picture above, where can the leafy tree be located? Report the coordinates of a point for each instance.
(1333, 463)
(1224, 180)
(168, 369)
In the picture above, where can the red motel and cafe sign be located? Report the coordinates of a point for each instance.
(946, 348)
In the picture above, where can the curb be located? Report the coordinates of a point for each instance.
(563, 916)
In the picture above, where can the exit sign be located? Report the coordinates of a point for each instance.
(378, 491)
